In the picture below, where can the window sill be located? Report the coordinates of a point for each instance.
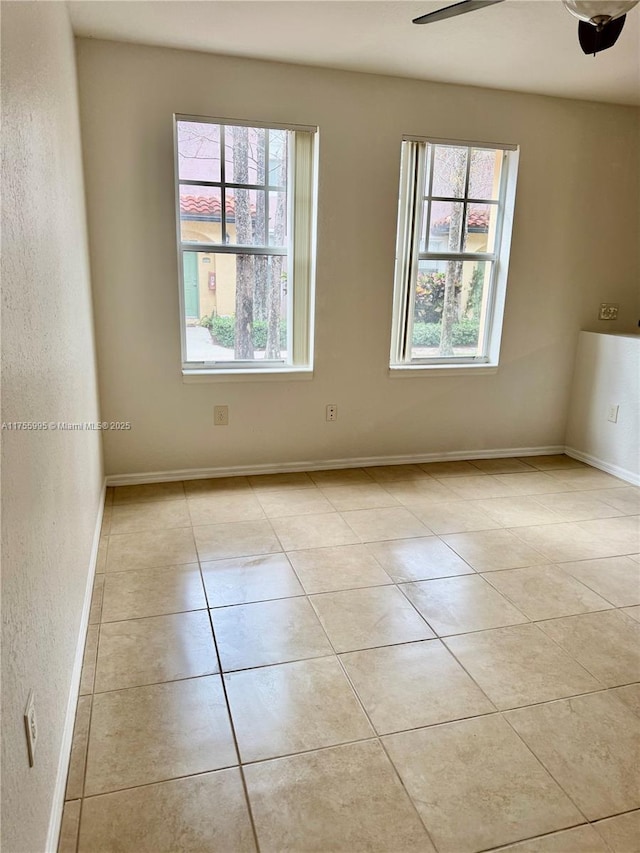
(413, 371)
(290, 374)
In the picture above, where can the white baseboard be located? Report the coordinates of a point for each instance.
(324, 465)
(57, 805)
(616, 470)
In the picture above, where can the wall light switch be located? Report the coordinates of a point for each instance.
(613, 414)
(608, 311)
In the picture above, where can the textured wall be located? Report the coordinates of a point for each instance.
(575, 228)
(607, 374)
(51, 481)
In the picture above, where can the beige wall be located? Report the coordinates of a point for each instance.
(607, 374)
(51, 481)
(573, 245)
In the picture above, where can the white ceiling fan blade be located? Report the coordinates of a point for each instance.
(452, 11)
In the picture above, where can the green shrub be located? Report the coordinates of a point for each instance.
(466, 333)
(223, 331)
(428, 334)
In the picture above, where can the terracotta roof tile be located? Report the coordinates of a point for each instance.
(201, 205)
(476, 219)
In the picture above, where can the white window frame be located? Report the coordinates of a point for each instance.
(302, 172)
(414, 187)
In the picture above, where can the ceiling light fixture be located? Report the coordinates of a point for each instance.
(598, 12)
(600, 22)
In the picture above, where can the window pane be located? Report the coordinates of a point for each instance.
(424, 224)
(244, 152)
(449, 308)
(235, 306)
(257, 155)
(200, 214)
(481, 227)
(277, 219)
(484, 177)
(245, 217)
(278, 148)
(446, 227)
(449, 171)
(198, 151)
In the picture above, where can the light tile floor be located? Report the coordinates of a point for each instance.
(440, 657)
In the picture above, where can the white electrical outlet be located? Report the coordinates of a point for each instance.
(332, 412)
(31, 728)
(221, 415)
(613, 414)
(608, 311)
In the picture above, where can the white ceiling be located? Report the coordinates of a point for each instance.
(521, 45)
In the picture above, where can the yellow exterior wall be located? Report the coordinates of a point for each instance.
(222, 301)
(476, 242)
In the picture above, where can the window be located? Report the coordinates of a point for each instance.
(245, 225)
(454, 230)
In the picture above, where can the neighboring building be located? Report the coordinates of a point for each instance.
(209, 277)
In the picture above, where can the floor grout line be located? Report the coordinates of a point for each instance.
(233, 728)
(544, 767)
(109, 501)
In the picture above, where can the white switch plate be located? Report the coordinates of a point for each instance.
(332, 412)
(613, 414)
(608, 311)
(221, 415)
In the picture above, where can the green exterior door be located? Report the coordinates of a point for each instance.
(191, 295)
